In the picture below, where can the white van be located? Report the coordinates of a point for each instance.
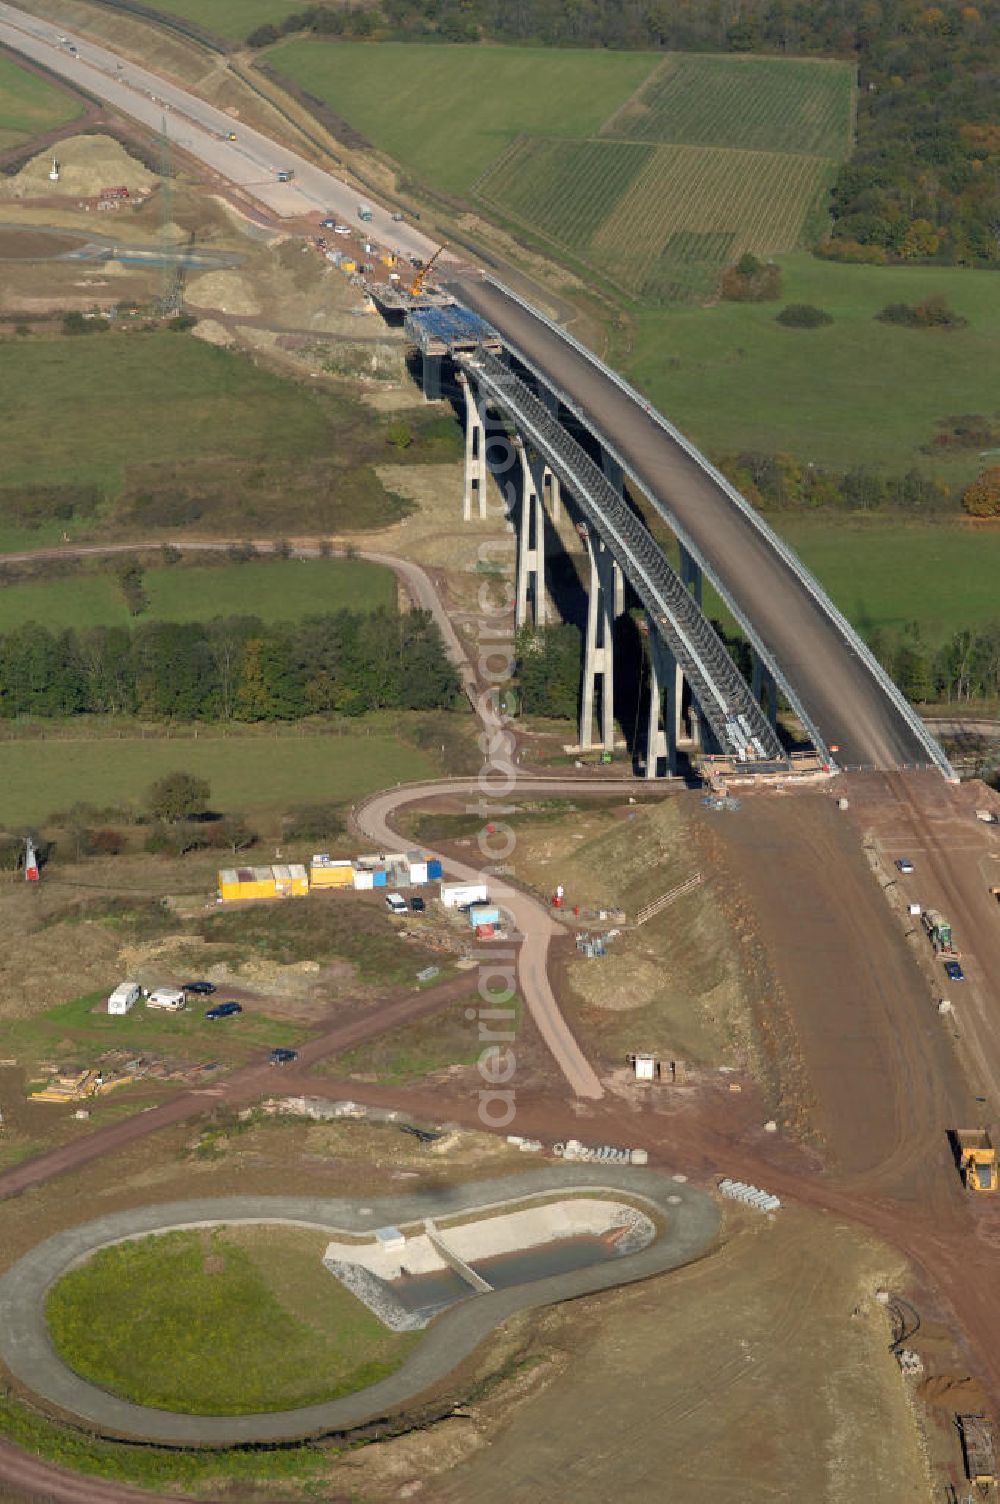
(395, 903)
(124, 997)
(170, 999)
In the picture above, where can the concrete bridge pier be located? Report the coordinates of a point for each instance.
(764, 689)
(474, 496)
(666, 687)
(430, 376)
(599, 643)
(615, 476)
(550, 482)
(530, 546)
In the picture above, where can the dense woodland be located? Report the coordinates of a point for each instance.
(230, 669)
(924, 183)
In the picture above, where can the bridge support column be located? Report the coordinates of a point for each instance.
(530, 547)
(430, 376)
(475, 452)
(691, 574)
(599, 644)
(615, 476)
(764, 689)
(555, 494)
(666, 685)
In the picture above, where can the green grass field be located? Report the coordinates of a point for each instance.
(29, 105)
(244, 771)
(84, 409)
(74, 1033)
(885, 574)
(755, 103)
(854, 392)
(227, 1321)
(273, 589)
(233, 20)
(445, 113)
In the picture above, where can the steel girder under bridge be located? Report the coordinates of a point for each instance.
(676, 622)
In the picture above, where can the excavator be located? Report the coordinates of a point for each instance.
(417, 285)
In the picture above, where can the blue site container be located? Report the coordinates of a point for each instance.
(434, 869)
(380, 878)
(483, 915)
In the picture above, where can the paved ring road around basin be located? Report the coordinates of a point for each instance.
(689, 1227)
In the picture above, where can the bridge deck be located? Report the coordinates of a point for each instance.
(841, 696)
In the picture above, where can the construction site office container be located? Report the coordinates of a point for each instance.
(433, 869)
(418, 872)
(452, 894)
(331, 874)
(238, 883)
(481, 914)
(364, 881)
(291, 881)
(380, 877)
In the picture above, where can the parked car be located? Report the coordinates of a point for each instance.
(417, 905)
(342, 229)
(224, 1010)
(281, 1056)
(397, 219)
(954, 972)
(905, 865)
(200, 989)
(327, 224)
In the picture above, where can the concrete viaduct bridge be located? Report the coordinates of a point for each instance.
(510, 360)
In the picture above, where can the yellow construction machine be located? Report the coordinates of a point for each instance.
(977, 1158)
(417, 285)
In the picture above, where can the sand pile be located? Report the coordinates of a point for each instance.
(86, 165)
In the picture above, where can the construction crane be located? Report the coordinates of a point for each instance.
(417, 285)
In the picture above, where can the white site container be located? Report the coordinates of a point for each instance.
(363, 880)
(124, 997)
(453, 894)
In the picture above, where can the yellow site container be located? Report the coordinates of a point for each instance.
(331, 875)
(388, 260)
(239, 883)
(348, 266)
(290, 882)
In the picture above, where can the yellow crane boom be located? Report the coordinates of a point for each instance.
(417, 285)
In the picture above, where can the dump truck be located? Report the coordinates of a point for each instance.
(939, 932)
(364, 213)
(977, 1449)
(995, 891)
(977, 1159)
(285, 174)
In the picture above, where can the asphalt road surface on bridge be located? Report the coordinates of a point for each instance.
(847, 705)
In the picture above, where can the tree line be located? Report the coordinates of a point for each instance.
(229, 669)
(924, 182)
(965, 667)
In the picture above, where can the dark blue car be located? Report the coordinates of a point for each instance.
(282, 1056)
(224, 1010)
(954, 972)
